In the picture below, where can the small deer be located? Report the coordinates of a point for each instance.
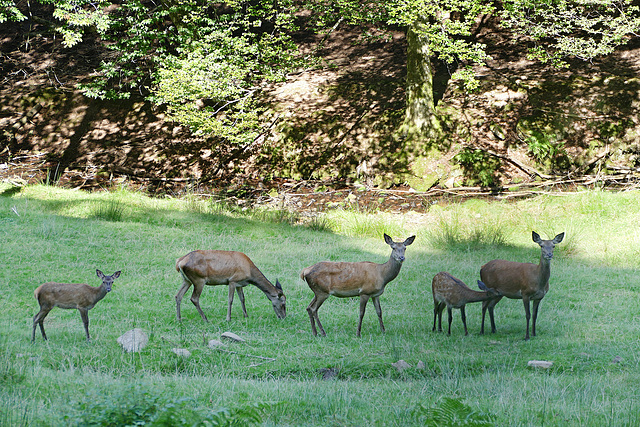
(235, 269)
(451, 292)
(68, 296)
(517, 280)
(352, 279)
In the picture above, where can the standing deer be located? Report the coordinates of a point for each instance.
(70, 295)
(517, 280)
(451, 292)
(351, 279)
(235, 269)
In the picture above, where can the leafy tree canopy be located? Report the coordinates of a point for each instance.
(208, 62)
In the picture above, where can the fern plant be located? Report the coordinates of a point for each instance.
(452, 412)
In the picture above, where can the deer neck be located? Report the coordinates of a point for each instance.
(390, 269)
(544, 271)
(99, 293)
(475, 296)
(260, 281)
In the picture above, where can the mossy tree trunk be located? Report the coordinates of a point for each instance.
(420, 123)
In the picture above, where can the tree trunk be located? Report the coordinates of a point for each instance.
(420, 121)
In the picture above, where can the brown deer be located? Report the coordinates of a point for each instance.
(352, 279)
(68, 296)
(517, 280)
(451, 292)
(235, 269)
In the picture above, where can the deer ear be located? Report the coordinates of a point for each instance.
(278, 285)
(388, 240)
(558, 238)
(536, 237)
(409, 240)
(99, 273)
(116, 274)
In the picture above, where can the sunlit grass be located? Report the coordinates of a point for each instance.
(588, 323)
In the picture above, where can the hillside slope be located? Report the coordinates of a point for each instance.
(527, 122)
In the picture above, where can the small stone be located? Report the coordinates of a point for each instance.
(543, 364)
(216, 343)
(617, 359)
(420, 365)
(134, 340)
(231, 336)
(181, 352)
(401, 365)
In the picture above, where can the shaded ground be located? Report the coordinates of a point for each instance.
(334, 121)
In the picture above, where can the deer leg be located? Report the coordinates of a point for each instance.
(536, 303)
(195, 299)
(489, 304)
(376, 304)
(232, 290)
(179, 295)
(315, 304)
(38, 319)
(464, 320)
(363, 306)
(440, 310)
(527, 314)
(84, 314)
(240, 292)
(435, 315)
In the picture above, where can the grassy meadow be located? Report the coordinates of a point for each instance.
(588, 325)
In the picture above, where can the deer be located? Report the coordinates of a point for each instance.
(68, 296)
(235, 269)
(451, 292)
(517, 280)
(351, 279)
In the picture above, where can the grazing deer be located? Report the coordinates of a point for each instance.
(351, 279)
(70, 295)
(235, 269)
(451, 292)
(517, 280)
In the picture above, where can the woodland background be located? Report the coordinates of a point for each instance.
(332, 119)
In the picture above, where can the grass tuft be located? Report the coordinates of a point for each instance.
(112, 210)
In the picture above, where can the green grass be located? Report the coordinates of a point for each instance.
(588, 323)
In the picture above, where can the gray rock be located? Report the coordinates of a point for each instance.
(231, 336)
(216, 343)
(181, 352)
(401, 365)
(542, 364)
(134, 340)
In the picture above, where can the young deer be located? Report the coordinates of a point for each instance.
(517, 280)
(451, 292)
(351, 279)
(70, 295)
(235, 269)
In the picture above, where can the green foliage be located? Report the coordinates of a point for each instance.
(581, 29)
(207, 63)
(450, 412)
(10, 12)
(479, 166)
(542, 146)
